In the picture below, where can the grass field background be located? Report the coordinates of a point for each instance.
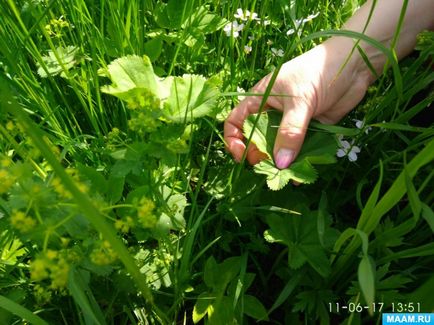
(120, 205)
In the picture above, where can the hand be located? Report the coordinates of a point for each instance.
(311, 87)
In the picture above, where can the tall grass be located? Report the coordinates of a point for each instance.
(373, 220)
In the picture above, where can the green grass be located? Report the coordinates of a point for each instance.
(119, 210)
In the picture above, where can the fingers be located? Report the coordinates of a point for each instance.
(291, 133)
(233, 130)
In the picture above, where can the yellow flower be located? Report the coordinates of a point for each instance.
(38, 269)
(20, 221)
(103, 254)
(145, 213)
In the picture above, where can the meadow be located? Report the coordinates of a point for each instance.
(120, 205)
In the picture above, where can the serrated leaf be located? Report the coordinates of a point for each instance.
(318, 148)
(128, 74)
(191, 96)
(64, 58)
(301, 171)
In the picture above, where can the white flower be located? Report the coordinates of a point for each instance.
(361, 125)
(240, 90)
(246, 15)
(299, 22)
(233, 28)
(310, 17)
(277, 52)
(247, 49)
(347, 149)
(265, 22)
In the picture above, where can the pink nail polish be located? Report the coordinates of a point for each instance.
(284, 158)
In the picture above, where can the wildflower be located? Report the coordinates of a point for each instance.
(124, 225)
(347, 149)
(39, 269)
(145, 213)
(361, 125)
(10, 126)
(7, 179)
(103, 254)
(240, 90)
(59, 274)
(277, 52)
(246, 15)
(299, 22)
(247, 49)
(233, 29)
(20, 221)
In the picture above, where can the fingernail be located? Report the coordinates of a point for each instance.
(284, 158)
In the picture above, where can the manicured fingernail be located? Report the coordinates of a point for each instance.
(284, 158)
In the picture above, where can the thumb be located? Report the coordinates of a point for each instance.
(291, 133)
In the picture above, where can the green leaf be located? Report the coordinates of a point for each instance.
(128, 74)
(318, 148)
(428, 215)
(204, 301)
(153, 48)
(413, 197)
(191, 96)
(254, 308)
(300, 234)
(21, 311)
(366, 276)
(301, 171)
(59, 61)
(83, 296)
(204, 22)
(264, 132)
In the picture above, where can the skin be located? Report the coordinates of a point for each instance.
(317, 90)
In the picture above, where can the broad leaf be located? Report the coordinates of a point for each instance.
(318, 148)
(128, 74)
(59, 61)
(300, 235)
(300, 171)
(366, 276)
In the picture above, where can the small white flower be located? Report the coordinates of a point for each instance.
(240, 90)
(269, 42)
(347, 149)
(290, 32)
(246, 15)
(265, 22)
(277, 52)
(247, 49)
(233, 29)
(299, 22)
(361, 125)
(310, 17)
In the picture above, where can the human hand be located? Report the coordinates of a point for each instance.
(311, 85)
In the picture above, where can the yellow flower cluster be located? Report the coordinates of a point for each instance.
(22, 222)
(55, 27)
(60, 188)
(145, 213)
(53, 266)
(7, 178)
(124, 225)
(103, 254)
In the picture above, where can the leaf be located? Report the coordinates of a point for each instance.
(83, 296)
(264, 132)
(428, 215)
(128, 74)
(153, 48)
(318, 148)
(300, 234)
(173, 14)
(254, 308)
(301, 171)
(63, 59)
(204, 301)
(366, 276)
(191, 96)
(20, 311)
(204, 22)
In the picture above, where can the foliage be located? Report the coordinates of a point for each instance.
(119, 204)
